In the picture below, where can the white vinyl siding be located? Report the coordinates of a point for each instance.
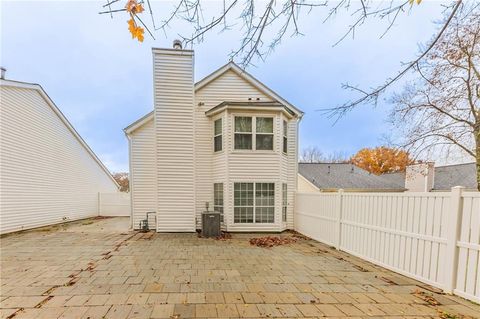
(47, 175)
(143, 173)
(175, 144)
(228, 165)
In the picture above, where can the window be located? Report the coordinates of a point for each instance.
(285, 140)
(284, 202)
(218, 199)
(243, 203)
(254, 203)
(243, 133)
(217, 135)
(264, 133)
(246, 127)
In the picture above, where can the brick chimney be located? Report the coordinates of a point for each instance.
(174, 134)
(419, 177)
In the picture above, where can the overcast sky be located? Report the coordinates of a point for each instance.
(101, 79)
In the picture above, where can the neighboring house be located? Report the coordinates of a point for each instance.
(426, 177)
(48, 172)
(227, 140)
(330, 177)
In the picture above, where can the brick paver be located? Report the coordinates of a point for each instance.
(101, 270)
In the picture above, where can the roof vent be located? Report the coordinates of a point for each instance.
(2, 74)
(177, 44)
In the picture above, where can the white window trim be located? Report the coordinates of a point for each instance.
(285, 135)
(254, 204)
(253, 133)
(221, 134)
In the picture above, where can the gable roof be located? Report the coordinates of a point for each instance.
(334, 176)
(446, 177)
(56, 110)
(230, 66)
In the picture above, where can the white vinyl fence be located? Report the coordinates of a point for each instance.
(432, 237)
(114, 204)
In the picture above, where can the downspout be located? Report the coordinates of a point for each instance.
(130, 177)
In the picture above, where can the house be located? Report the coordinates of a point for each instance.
(330, 177)
(48, 173)
(227, 141)
(425, 177)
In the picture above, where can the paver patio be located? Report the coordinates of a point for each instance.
(99, 269)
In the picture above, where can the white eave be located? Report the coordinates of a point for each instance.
(138, 123)
(250, 106)
(56, 110)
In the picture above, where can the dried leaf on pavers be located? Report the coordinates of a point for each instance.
(428, 298)
(270, 241)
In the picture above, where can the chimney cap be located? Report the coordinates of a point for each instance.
(177, 44)
(2, 72)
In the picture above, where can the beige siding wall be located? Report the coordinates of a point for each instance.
(174, 134)
(47, 175)
(143, 172)
(228, 166)
(215, 168)
(304, 186)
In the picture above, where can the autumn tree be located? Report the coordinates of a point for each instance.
(313, 154)
(439, 112)
(122, 180)
(382, 160)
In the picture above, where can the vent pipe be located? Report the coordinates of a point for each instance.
(177, 44)
(2, 72)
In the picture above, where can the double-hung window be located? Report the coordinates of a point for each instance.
(243, 133)
(285, 134)
(254, 203)
(218, 199)
(264, 133)
(217, 135)
(253, 133)
(284, 202)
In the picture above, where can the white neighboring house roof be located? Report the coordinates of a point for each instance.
(56, 110)
(231, 66)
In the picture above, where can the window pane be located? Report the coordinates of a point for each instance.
(243, 124)
(243, 141)
(218, 199)
(218, 127)
(284, 202)
(243, 203)
(218, 143)
(264, 125)
(285, 145)
(264, 142)
(285, 128)
(264, 202)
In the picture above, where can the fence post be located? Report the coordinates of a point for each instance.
(454, 221)
(338, 241)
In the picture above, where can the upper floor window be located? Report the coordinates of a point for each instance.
(217, 135)
(243, 133)
(285, 134)
(247, 127)
(264, 133)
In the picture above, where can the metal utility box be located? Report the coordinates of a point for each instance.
(211, 224)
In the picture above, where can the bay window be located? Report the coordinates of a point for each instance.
(218, 199)
(254, 203)
(217, 135)
(246, 128)
(243, 133)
